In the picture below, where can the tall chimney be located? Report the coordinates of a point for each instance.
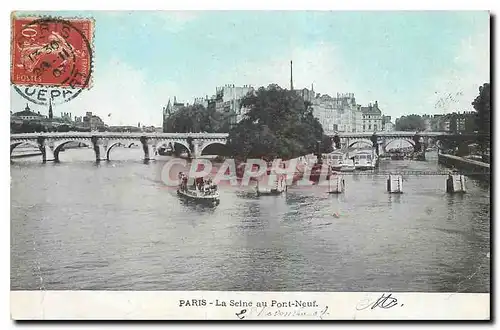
(291, 76)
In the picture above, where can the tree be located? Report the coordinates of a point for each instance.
(410, 123)
(63, 128)
(278, 124)
(196, 118)
(482, 105)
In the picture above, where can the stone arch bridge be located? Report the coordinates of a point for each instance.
(383, 139)
(50, 144)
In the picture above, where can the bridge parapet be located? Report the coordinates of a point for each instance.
(386, 134)
(102, 142)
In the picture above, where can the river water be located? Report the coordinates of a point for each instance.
(78, 225)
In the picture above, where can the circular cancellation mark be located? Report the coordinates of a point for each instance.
(51, 58)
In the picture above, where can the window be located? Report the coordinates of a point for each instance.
(375, 127)
(364, 127)
(369, 126)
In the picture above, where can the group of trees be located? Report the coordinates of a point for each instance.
(482, 105)
(410, 123)
(196, 118)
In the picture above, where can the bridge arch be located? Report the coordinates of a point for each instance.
(210, 143)
(115, 143)
(133, 143)
(390, 141)
(364, 141)
(61, 144)
(173, 142)
(15, 144)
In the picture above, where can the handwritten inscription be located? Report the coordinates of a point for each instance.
(284, 312)
(301, 309)
(386, 301)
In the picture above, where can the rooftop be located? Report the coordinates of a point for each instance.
(26, 112)
(371, 109)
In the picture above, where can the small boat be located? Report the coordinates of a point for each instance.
(348, 166)
(165, 151)
(364, 160)
(276, 185)
(198, 190)
(335, 159)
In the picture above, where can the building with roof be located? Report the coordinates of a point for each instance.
(337, 114)
(93, 122)
(27, 115)
(228, 101)
(372, 118)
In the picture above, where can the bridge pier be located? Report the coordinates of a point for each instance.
(149, 148)
(100, 148)
(47, 149)
(196, 149)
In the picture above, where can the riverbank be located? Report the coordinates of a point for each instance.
(472, 168)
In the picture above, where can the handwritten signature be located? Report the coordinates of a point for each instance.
(384, 302)
(287, 313)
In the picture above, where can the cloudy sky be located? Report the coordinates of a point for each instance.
(410, 62)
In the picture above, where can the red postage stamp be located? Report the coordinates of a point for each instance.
(52, 52)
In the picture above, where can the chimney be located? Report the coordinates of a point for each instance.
(291, 75)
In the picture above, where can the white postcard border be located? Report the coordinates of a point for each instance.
(227, 305)
(106, 302)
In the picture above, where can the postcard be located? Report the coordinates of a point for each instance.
(250, 165)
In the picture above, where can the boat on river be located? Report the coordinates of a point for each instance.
(365, 160)
(348, 166)
(198, 190)
(335, 159)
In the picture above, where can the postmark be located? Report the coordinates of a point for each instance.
(51, 58)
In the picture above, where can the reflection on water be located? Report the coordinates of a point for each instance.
(115, 226)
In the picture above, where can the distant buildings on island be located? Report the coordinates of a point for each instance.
(336, 114)
(38, 121)
(27, 121)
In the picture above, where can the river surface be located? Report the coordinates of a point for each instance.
(78, 225)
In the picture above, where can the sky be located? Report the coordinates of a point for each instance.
(422, 62)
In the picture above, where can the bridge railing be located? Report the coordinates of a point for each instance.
(386, 134)
(120, 134)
